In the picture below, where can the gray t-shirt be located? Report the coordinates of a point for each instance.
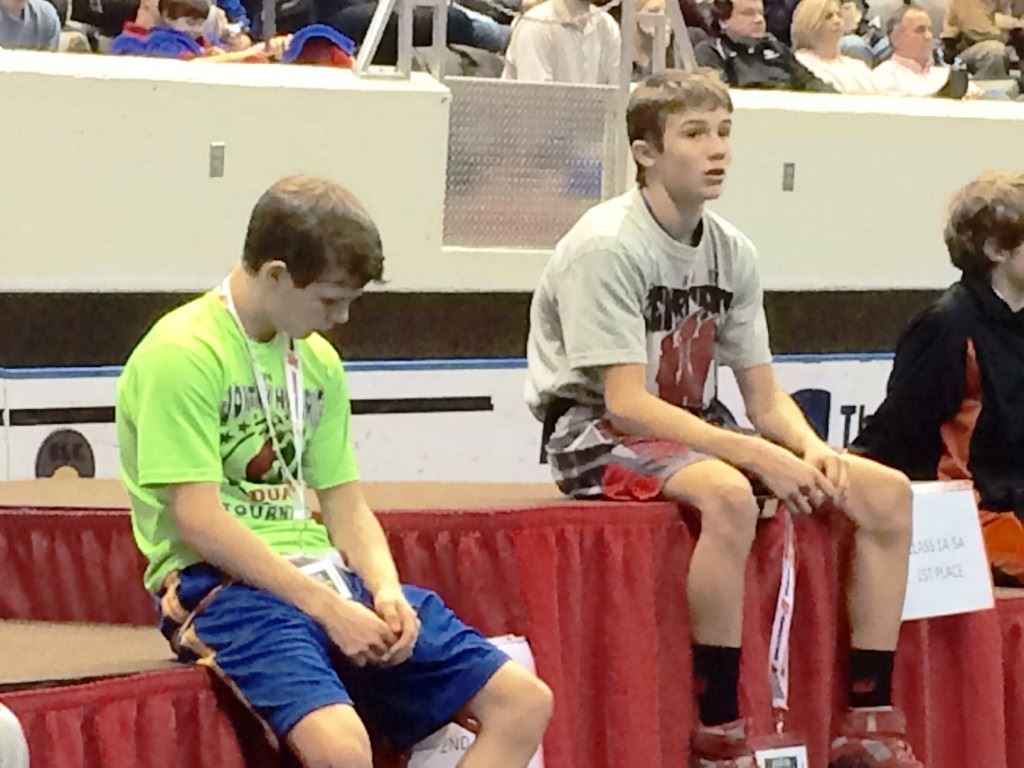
(620, 290)
(38, 29)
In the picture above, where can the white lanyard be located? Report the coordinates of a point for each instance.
(782, 625)
(296, 410)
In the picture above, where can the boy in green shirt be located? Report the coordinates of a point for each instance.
(227, 410)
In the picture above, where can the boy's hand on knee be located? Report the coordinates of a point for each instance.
(794, 481)
(392, 606)
(357, 631)
(833, 465)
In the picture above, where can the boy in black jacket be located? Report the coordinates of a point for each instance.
(955, 403)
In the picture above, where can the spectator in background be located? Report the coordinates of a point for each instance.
(176, 32)
(464, 29)
(215, 30)
(699, 25)
(644, 40)
(746, 55)
(29, 25)
(912, 70)
(779, 18)
(564, 41)
(882, 11)
(106, 19)
(954, 406)
(862, 36)
(977, 31)
(180, 35)
(817, 31)
(13, 749)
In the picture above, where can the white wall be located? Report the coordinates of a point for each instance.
(104, 171)
(873, 178)
(104, 182)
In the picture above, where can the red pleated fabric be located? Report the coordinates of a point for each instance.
(599, 591)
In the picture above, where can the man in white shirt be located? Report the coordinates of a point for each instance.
(564, 41)
(912, 70)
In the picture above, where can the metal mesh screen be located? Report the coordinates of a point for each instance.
(524, 160)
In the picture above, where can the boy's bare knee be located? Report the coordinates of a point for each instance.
(332, 737)
(538, 702)
(515, 703)
(342, 756)
(338, 752)
(884, 501)
(724, 498)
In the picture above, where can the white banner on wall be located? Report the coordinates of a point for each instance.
(424, 420)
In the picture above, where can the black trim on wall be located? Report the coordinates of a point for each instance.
(87, 329)
(422, 405)
(30, 417)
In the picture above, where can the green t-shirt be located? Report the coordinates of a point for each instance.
(188, 411)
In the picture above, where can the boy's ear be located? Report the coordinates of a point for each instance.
(993, 252)
(644, 153)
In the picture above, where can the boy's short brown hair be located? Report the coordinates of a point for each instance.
(308, 222)
(670, 92)
(990, 208)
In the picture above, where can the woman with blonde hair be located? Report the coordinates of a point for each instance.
(817, 31)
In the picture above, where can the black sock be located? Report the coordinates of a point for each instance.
(716, 675)
(871, 678)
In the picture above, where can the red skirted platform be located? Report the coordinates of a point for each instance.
(1011, 614)
(599, 590)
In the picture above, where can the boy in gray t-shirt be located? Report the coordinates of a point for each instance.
(639, 302)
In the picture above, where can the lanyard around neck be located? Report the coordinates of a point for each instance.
(293, 386)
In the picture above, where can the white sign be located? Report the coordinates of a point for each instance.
(949, 571)
(446, 747)
(782, 757)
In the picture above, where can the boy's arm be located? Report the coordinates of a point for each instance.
(331, 470)
(633, 410)
(220, 539)
(925, 389)
(357, 534)
(175, 399)
(212, 533)
(772, 412)
(707, 55)
(775, 415)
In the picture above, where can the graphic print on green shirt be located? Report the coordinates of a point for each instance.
(188, 411)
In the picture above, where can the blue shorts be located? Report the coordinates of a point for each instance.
(284, 666)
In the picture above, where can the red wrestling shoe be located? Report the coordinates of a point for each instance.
(721, 746)
(873, 738)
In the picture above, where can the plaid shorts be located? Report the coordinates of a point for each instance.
(590, 460)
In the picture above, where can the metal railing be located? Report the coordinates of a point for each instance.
(526, 159)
